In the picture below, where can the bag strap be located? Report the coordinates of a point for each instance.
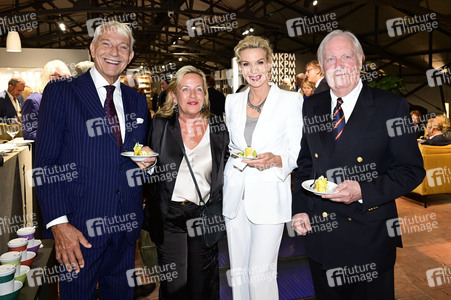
(192, 173)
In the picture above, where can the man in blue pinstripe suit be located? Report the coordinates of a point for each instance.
(95, 216)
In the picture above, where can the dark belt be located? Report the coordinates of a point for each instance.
(186, 202)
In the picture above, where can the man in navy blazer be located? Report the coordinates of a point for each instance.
(352, 234)
(10, 100)
(90, 200)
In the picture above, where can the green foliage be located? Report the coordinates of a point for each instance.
(390, 83)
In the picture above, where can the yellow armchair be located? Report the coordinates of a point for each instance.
(437, 163)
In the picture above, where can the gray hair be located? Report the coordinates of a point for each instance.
(339, 33)
(121, 28)
(48, 70)
(83, 67)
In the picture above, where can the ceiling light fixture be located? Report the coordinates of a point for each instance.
(315, 2)
(62, 26)
(13, 43)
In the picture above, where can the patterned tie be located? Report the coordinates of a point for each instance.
(339, 119)
(111, 114)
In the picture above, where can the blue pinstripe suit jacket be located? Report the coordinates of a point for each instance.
(73, 135)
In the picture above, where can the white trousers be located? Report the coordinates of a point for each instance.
(253, 250)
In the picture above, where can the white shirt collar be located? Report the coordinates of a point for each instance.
(100, 82)
(9, 95)
(349, 101)
(318, 82)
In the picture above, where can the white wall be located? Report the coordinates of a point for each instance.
(28, 63)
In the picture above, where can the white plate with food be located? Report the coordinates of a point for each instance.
(131, 154)
(248, 153)
(138, 154)
(321, 186)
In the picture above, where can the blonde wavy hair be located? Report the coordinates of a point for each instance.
(250, 42)
(167, 109)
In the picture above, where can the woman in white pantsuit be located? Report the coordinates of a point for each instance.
(257, 196)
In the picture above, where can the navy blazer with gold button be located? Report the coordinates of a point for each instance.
(383, 158)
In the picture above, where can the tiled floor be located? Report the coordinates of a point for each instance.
(427, 245)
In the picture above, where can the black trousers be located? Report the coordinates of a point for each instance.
(182, 251)
(329, 288)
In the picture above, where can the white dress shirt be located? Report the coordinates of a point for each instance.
(318, 82)
(100, 84)
(14, 101)
(348, 105)
(349, 101)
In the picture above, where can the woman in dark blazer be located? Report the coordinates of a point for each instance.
(173, 202)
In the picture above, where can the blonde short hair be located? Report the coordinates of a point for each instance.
(27, 91)
(252, 42)
(167, 109)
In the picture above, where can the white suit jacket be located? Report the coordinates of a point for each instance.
(267, 193)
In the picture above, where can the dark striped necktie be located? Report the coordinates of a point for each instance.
(111, 114)
(339, 119)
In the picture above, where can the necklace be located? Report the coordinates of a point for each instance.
(256, 107)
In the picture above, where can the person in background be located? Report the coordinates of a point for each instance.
(184, 121)
(154, 100)
(307, 88)
(162, 97)
(52, 71)
(416, 119)
(316, 76)
(84, 125)
(216, 98)
(286, 84)
(435, 129)
(257, 192)
(27, 91)
(446, 125)
(384, 167)
(299, 79)
(9, 103)
(83, 67)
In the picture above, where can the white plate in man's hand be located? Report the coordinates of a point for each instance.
(132, 156)
(307, 185)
